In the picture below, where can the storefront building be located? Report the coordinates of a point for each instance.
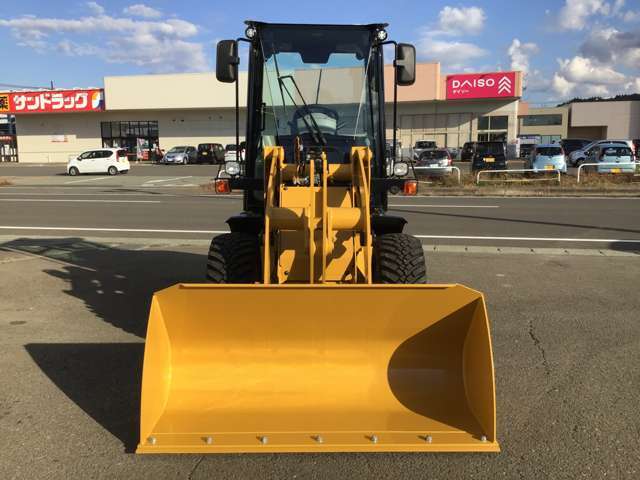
(143, 112)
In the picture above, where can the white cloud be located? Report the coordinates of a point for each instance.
(575, 13)
(519, 54)
(95, 8)
(160, 46)
(610, 46)
(583, 70)
(631, 16)
(452, 54)
(461, 20)
(142, 10)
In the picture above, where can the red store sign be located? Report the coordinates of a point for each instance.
(53, 101)
(481, 85)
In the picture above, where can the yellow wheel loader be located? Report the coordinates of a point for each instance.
(317, 331)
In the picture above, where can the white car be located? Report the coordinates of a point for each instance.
(104, 160)
(580, 156)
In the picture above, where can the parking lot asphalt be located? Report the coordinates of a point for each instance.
(72, 323)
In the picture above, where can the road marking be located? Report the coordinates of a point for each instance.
(94, 194)
(166, 180)
(90, 179)
(443, 237)
(92, 229)
(429, 205)
(75, 200)
(531, 239)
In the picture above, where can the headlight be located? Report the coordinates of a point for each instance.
(400, 169)
(232, 168)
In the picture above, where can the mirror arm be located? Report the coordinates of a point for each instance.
(236, 67)
(395, 95)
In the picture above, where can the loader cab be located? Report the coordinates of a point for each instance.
(314, 87)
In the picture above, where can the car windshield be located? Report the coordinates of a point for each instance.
(425, 144)
(490, 148)
(434, 154)
(231, 148)
(617, 152)
(205, 146)
(315, 88)
(549, 151)
(177, 150)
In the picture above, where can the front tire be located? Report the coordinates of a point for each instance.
(398, 258)
(73, 171)
(234, 258)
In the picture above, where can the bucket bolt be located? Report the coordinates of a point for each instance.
(319, 439)
(374, 438)
(151, 440)
(208, 440)
(264, 440)
(483, 438)
(428, 439)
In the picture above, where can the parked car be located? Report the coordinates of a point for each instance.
(570, 145)
(434, 163)
(181, 154)
(489, 156)
(230, 153)
(210, 153)
(103, 160)
(468, 151)
(579, 156)
(614, 157)
(421, 146)
(548, 157)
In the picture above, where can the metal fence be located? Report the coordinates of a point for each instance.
(607, 164)
(557, 175)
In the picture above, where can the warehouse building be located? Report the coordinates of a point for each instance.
(142, 112)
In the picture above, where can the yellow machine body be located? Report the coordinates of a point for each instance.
(292, 368)
(317, 358)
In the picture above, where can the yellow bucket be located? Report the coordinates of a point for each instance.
(317, 368)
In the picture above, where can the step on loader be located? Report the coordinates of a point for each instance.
(317, 331)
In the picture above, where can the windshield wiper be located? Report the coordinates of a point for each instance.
(316, 133)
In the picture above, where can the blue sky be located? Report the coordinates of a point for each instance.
(566, 47)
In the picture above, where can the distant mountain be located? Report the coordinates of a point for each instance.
(617, 98)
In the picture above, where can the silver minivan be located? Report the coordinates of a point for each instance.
(614, 158)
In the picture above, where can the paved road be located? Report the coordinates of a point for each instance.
(146, 169)
(194, 213)
(142, 169)
(72, 321)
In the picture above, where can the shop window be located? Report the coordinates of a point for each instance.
(483, 123)
(541, 120)
(138, 138)
(498, 123)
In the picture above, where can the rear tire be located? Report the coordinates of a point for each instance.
(398, 258)
(112, 171)
(234, 258)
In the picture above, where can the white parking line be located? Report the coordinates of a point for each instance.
(166, 180)
(91, 229)
(443, 237)
(531, 239)
(90, 179)
(433, 205)
(75, 200)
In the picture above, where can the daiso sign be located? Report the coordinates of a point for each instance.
(481, 85)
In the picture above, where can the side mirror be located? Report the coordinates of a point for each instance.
(405, 64)
(227, 61)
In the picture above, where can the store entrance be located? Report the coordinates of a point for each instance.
(139, 138)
